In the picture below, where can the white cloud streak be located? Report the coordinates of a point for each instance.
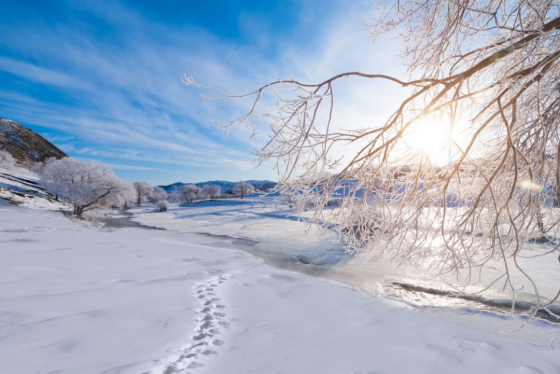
(122, 99)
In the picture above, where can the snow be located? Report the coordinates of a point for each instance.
(78, 298)
(83, 300)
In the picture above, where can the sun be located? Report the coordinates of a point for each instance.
(431, 139)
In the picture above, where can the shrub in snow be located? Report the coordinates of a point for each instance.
(86, 184)
(242, 189)
(163, 205)
(6, 160)
(143, 190)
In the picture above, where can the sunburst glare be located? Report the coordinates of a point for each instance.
(432, 139)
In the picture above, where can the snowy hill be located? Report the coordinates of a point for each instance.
(26, 146)
(225, 185)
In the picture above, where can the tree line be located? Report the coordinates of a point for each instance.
(88, 186)
(189, 193)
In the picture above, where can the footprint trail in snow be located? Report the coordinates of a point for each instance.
(207, 338)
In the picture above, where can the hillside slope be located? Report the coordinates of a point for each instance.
(19, 186)
(25, 145)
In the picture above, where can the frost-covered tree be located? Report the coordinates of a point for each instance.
(86, 184)
(39, 166)
(242, 189)
(174, 196)
(6, 160)
(212, 191)
(466, 169)
(51, 177)
(189, 193)
(159, 194)
(143, 190)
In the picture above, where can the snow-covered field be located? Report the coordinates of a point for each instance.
(79, 298)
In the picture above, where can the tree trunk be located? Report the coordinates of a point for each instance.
(540, 223)
(139, 202)
(56, 197)
(78, 210)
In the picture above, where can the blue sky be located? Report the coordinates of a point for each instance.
(101, 79)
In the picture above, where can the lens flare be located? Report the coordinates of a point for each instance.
(531, 185)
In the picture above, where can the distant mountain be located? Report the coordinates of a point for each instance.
(225, 185)
(26, 146)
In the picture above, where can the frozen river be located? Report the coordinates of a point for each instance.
(264, 229)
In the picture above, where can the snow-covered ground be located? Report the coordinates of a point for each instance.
(79, 298)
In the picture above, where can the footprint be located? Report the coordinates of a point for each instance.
(194, 365)
(200, 336)
(171, 369)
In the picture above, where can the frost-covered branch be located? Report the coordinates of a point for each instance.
(484, 72)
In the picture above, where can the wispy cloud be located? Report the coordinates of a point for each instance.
(110, 88)
(40, 75)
